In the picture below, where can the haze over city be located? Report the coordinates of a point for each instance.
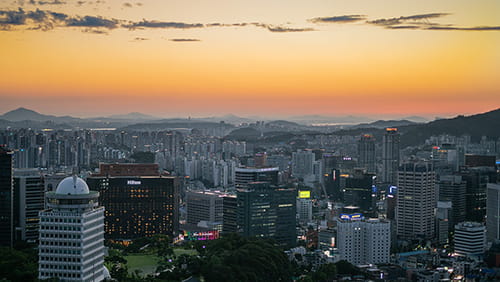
(178, 58)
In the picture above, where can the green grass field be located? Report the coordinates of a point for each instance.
(180, 251)
(146, 263)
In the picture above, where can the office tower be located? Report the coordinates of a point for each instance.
(332, 182)
(229, 214)
(493, 213)
(267, 211)
(452, 188)
(476, 179)
(470, 239)
(361, 241)
(443, 220)
(366, 153)
(302, 163)
(245, 175)
(416, 200)
(390, 155)
(29, 199)
(204, 206)
(139, 201)
(71, 245)
(304, 207)
(359, 191)
(6, 198)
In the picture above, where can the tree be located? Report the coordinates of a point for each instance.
(18, 265)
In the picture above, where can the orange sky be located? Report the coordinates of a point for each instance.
(167, 58)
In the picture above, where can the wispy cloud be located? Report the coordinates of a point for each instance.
(54, 2)
(408, 22)
(339, 19)
(184, 40)
(141, 39)
(278, 28)
(162, 24)
(127, 5)
(422, 22)
(475, 28)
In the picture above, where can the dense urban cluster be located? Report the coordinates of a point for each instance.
(327, 200)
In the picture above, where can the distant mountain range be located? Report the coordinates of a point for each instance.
(412, 133)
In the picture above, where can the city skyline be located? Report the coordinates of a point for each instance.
(282, 58)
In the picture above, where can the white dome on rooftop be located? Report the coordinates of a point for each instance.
(72, 186)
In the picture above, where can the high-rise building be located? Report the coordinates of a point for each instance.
(493, 213)
(443, 220)
(204, 206)
(361, 241)
(302, 163)
(71, 245)
(452, 188)
(6, 198)
(140, 203)
(229, 214)
(476, 179)
(246, 175)
(267, 211)
(359, 191)
(416, 200)
(304, 207)
(390, 155)
(29, 199)
(366, 153)
(470, 239)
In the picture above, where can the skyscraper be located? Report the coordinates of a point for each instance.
(29, 199)
(416, 200)
(493, 212)
(245, 175)
(204, 206)
(452, 188)
(71, 244)
(390, 155)
(6, 198)
(139, 201)
(267, 211)
(366, 153)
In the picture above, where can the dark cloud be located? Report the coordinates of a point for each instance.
(141, 39)
(273, 28)
(79, 3)
(160, 24)
(91, 21)
(339, 19)
(184, 40)
(54, 2)
(421, 20)
(20, 17)
(128, 5)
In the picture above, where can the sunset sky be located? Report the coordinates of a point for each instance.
(271, 58)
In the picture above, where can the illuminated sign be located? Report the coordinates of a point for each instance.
(391, 129)
(304, 194)
(347, 158)
(354, 216)
(133, 182)
(393, 189)
(200, 236)
(374, 189)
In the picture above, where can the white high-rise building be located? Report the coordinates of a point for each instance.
(304, 210)
(493, 212)
(470, 239)
(416, 201)
(71, 238)
(363, 241)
